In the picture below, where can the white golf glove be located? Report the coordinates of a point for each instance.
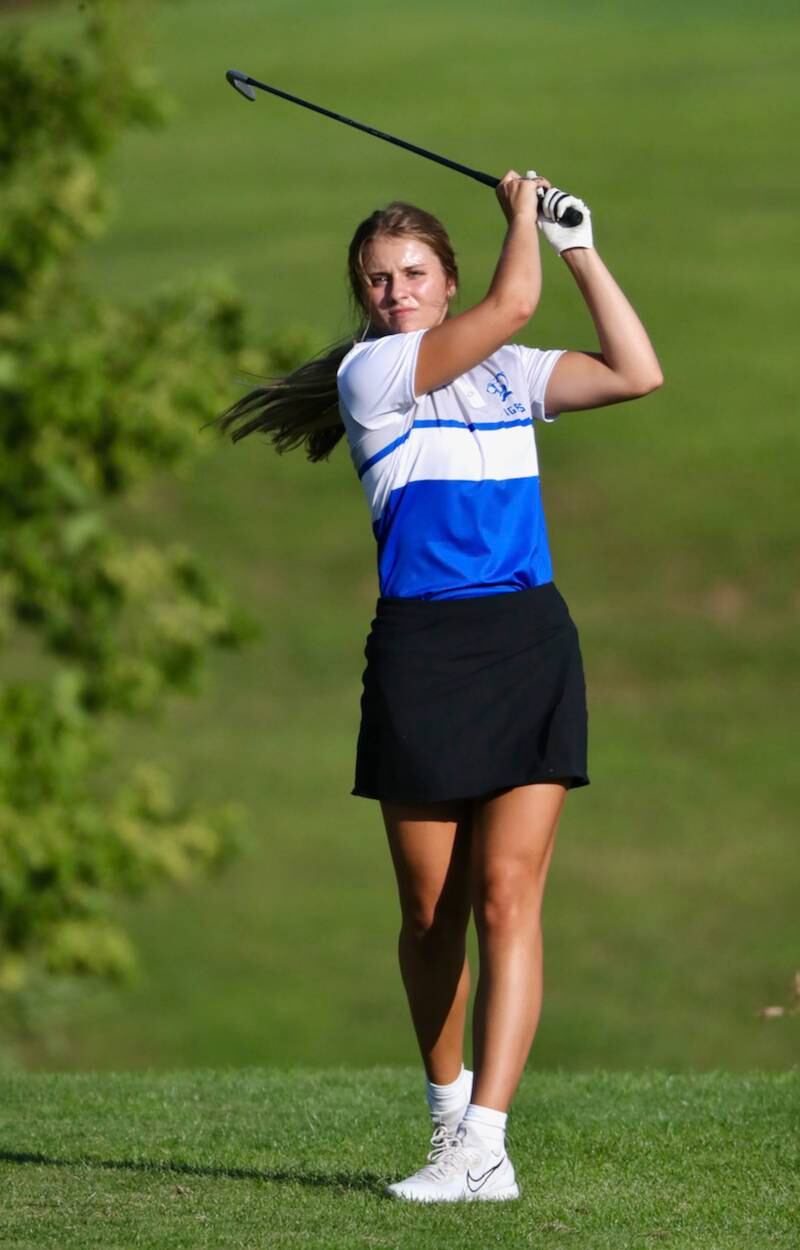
(552, 205)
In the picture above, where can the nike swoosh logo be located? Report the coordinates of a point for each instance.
(474, 1183)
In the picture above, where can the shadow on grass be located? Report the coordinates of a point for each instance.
(280, 1176)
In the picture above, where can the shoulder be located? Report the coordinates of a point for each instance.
(356, 350)
(537, 363)
(531, 357)
(381, 353)
(376, 378)
(514, 356)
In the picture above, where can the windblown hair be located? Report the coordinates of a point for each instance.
(303, 407)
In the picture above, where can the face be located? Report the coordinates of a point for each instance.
(407, 287)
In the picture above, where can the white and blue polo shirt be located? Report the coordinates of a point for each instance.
(451, 477)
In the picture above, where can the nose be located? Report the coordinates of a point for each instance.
(397, 289)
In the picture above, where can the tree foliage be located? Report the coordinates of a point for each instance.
(94, 399)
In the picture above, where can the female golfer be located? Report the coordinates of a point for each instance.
(473, 712)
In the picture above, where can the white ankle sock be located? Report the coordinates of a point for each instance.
(447, 1101)
(489, 1125)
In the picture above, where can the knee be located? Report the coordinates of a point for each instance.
(432, 923)
(507, 902)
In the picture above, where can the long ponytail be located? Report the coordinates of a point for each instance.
(303, 406)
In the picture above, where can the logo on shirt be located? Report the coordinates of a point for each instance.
(503, 391)
(500, 387)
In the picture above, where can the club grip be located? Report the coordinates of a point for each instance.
(570, 217)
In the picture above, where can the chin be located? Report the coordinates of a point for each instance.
(406, 324)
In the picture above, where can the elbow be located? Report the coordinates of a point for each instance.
(511, 310)
(643, 384)
(651, 383)
(521, 313)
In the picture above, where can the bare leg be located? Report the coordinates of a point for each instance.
(430, 846)
(512, 842)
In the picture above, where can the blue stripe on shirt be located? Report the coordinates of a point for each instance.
(456, 539)
(420, 425)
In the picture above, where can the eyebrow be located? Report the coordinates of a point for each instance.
(417, 264)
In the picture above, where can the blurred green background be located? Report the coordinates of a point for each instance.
(672, 904)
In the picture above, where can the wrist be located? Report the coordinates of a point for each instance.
(578, 255)
(525, 220)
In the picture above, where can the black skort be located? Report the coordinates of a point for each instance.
(466, 697)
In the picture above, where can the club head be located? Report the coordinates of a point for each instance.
(239, 80)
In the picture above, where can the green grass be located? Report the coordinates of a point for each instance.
(251, 1159)
(670, 917)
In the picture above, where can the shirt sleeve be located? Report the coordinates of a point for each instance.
(376, 381)
(537, 366)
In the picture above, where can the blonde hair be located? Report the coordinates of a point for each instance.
(303, 406)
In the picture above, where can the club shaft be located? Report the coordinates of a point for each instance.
(571, 217)
(487, 179)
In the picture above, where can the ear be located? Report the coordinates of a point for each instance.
(451, 289)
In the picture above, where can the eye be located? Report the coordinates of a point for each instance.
(376, 279)
(417, 273)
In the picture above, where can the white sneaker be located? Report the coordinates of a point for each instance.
(460, 1168)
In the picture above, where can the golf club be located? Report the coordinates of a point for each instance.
(245, 85)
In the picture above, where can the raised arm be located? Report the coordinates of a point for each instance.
(461, 342)
(626, 365)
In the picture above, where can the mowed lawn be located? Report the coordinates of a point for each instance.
(253, 1159)
(670, 918)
